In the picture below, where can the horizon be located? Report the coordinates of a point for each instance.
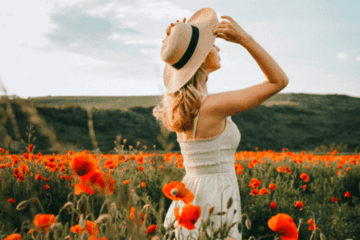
(317, 94)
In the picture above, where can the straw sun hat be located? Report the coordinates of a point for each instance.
(186, 47)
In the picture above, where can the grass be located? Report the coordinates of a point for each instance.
(329, 176)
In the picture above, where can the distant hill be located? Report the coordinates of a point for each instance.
(125, 102)
(98, 102)
(286, 120)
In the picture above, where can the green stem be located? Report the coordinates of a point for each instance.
(72, 211)
(37, 200)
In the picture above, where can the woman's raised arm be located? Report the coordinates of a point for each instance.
(237, 101)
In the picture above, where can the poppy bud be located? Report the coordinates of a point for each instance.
(239, 227)
(211, 209)
(146, 206)
(229, 203)
(248, 224)
(22, 205)
(221, 213)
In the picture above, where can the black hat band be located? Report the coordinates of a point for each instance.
(190, 50)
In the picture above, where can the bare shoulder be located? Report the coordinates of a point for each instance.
(222, 105)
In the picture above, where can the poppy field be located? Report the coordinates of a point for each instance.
(126, 195)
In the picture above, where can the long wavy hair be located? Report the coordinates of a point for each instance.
(176, 111)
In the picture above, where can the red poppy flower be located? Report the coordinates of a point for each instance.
(272, 186)
(110, 164)
(254, 183)
(334, 199)
(263, 191)
(254, 192)
(312, 225)
(91, 227)
(14, 236)
(140, 160)
(151, 229)
(95, 182)
(287, 170)
(347, 194)
(140, 215)
(304, 177)
(273, 205)
(82, 164)
(65, 177)
(11, 200)
(189, 216)
(126, 182)
(176, 190)
(299, 204)
(43, 222)
(30, 148)
(284, 225)
(280, 169)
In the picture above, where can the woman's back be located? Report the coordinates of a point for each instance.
(208, 125)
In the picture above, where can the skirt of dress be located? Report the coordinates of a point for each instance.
(207, 190)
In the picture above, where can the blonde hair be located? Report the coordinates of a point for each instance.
(177, 110)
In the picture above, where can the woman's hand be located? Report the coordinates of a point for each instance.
(231, 31)
(171, 25)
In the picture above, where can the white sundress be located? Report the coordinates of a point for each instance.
(209, 167)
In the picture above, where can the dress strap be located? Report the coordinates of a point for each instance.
(197, 116)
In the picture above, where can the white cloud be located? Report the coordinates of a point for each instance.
(154, 9)
(357, 58)
(103, 10)
(130, 24)
(144, 42)
(343, 56)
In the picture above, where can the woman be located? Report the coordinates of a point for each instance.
(207, 136)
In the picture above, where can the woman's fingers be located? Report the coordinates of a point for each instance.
(225, 24)
(218, 30)
(228, 18)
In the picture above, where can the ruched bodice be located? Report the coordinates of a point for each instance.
(209, 167)
(214, 151)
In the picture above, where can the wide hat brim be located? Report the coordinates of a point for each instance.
(205, 19)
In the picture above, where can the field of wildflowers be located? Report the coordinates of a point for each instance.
(126, 195)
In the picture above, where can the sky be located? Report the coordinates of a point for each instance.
(112, 48)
